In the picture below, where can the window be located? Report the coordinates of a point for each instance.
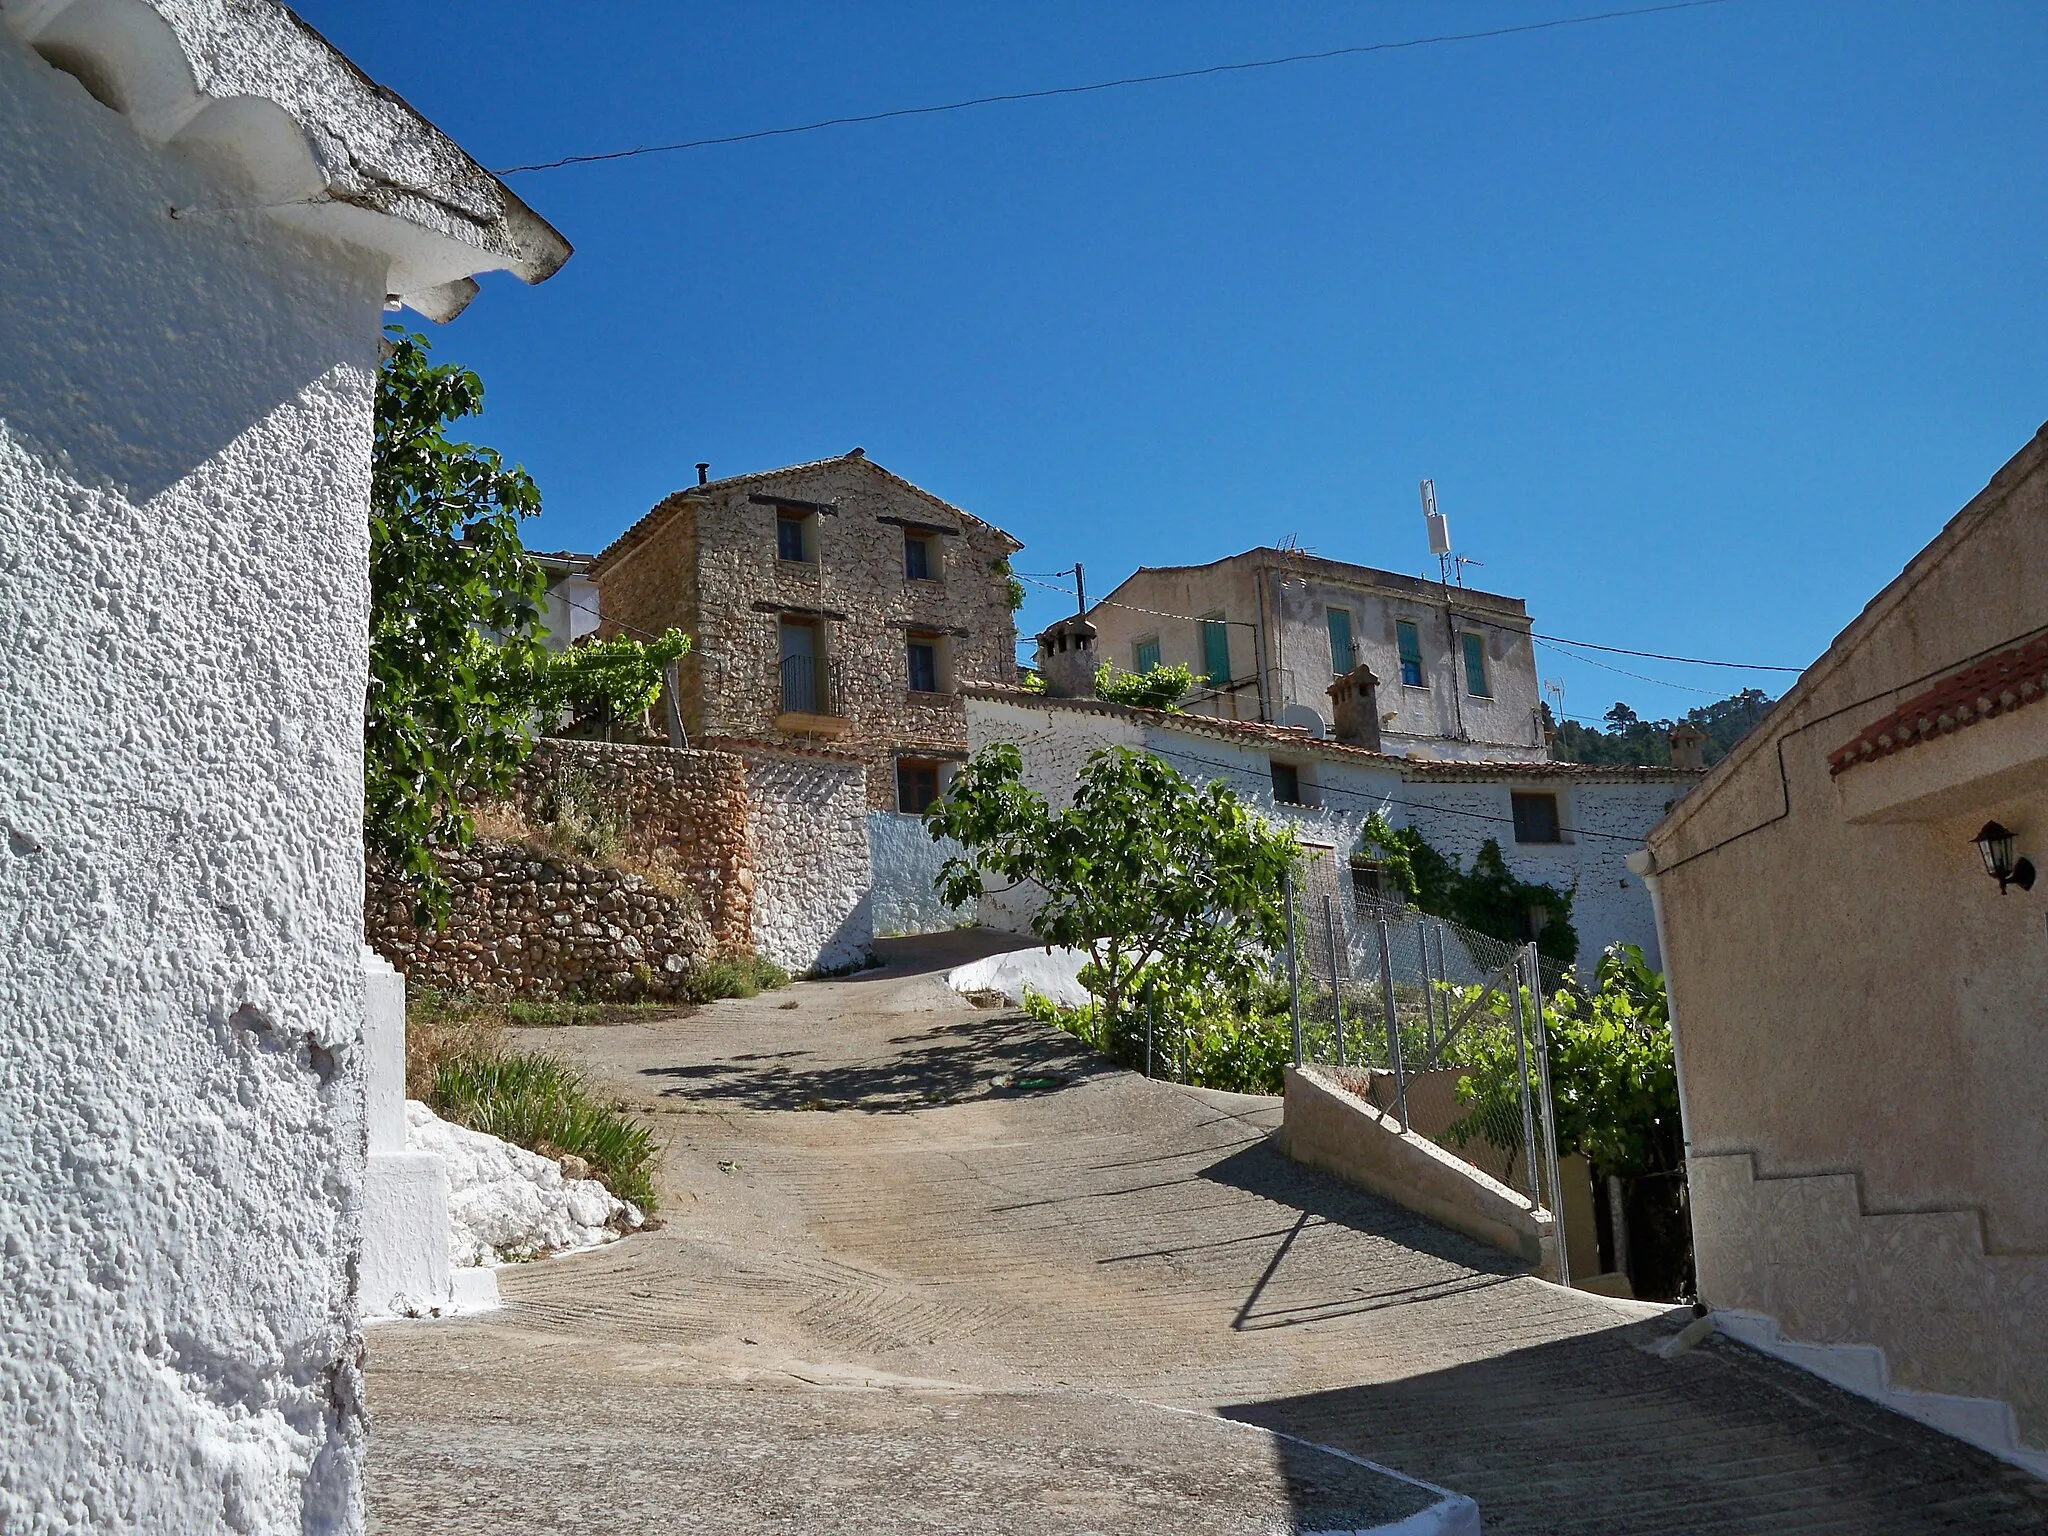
(1286, 783)
(1343, 655)
(1536, 819)
(804, 683)
(917, 557)
(1145, 655)
(790, 540)
(924, 664)
(1409, 641)
(1216, 650)
(1475, 666)
(917, 784)
(1372, 888)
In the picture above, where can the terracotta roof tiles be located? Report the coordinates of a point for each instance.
(1997, 685)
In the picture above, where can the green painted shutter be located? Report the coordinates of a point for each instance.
(1476, 682)
(1147, 655)
(1340, 641)
(1216, 650)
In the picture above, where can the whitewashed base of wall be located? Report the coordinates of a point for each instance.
(405, 1270)
(1983, 1422)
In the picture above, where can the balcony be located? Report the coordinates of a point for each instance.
(810, 705)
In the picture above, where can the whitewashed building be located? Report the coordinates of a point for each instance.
(204, 214)
(1566, 825)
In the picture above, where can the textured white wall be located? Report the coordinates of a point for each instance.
(905, 861)
(1607, 822)
(184, 475)
(1610, 819)
(807, 826)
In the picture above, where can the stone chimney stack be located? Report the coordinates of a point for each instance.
(1355, 701)
(1688, 746)
(1066, 658)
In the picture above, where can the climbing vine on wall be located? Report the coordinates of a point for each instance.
(1487, 897)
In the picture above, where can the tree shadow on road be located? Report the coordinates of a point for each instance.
(947, 1064)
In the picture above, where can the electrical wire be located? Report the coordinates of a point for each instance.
(1691, 661)
(1640, 677)
(1106, 85)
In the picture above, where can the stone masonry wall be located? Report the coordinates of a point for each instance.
(523, 922)
(528, 919)
(686, 812)
(706, 560)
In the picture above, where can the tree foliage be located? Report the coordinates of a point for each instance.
(1160, 688)
(1174, 888)
(1628, 739)
(1486, 897)
(1613, 1080)
(461, 678)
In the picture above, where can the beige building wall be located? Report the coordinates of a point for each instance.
(1861, 1025)
(706, 561)
(1276, 609)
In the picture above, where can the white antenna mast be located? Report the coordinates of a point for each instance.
(1439, 528)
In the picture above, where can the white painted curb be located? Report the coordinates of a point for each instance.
(1983, 1422)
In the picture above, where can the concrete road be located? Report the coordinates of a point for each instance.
(894, 1295)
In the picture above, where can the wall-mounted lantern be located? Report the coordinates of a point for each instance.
(1995, 844)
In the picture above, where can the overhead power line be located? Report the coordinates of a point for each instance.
(1691, 661)
(1107, 85)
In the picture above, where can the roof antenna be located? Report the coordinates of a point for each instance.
(1450, 567)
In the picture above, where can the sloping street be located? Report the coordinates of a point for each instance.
(899, 1290)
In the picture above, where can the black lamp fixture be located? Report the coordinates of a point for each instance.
(1995, 844)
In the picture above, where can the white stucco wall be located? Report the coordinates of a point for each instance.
(905, 861)
(1607, 819)
(184, 473)
(807, 828)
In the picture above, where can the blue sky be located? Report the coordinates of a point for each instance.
(1702, 323)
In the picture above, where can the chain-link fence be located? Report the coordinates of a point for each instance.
(1435, 1024)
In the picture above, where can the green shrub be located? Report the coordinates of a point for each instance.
(1237, 1048)
(734, 976)
(1160, 688)
(537, 1101)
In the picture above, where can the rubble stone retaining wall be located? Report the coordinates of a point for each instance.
(755, 850)
(686, 813)
(525, 922)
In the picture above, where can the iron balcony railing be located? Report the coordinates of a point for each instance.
(807, 686)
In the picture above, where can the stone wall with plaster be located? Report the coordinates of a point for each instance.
(808, 843)
(185, 421)
(905, 863)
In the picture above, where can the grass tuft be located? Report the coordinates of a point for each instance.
(537, 1101)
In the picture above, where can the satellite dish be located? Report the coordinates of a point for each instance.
(1300, 717)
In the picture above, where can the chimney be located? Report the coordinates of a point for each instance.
(1355, 708)
(703, 474)
(1066, 658)
(1688, 746)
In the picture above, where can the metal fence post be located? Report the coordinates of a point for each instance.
(1151, 1018)
(1293, 964)
(1430, 1001)
(1522, 1077)
(1393, 1027)
(1336, 975)
(1564, 1266)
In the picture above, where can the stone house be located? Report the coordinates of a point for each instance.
(1571, 826)
(204, 215)
(1267, 631)
(1857, 1000)
(831, 604)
